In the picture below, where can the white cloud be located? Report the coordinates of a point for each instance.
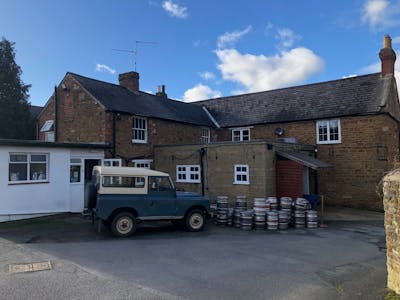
(104, 68)
(372, 68)
(230, 38)
(396, 40)
(380, 13)
(200, 92)
(286, 37)
(206, 75)
(258, 72)
(349, 76)
(175, 10)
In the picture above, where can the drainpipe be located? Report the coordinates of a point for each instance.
(316, 173)
(55, 114)
(113, 133)
(203, 151)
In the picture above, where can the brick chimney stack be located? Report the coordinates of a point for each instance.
(129, 80)
(387, 56)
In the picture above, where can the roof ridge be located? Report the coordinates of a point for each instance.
(287, 88)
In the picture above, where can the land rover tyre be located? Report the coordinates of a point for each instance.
(195, 220)
(123, 224)
(90, 195)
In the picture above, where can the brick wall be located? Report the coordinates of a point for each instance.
(391, 201)
(80, 117)
(218, 167)
(369, 149)
(289, 179)
(160, 132)
(47, 113)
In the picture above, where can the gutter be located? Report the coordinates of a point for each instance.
(55, 114)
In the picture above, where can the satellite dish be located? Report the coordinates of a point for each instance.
(279, 131)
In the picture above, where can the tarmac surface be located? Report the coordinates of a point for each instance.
(347, 260)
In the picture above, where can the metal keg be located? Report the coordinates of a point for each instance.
(246, 220)
(312, 219)
(286, 203)
(302, 204)
(272, 220)
(284, 219)
(240, 206)
(299, 219)
(273, 203)
(222, 210)
(259, 208)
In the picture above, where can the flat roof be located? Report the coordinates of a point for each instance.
(128, 171)
(37, 143)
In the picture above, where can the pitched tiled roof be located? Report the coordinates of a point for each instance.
(368, 94)
(120, 99)
(35, 110)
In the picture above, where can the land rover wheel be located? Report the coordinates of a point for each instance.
(195, 220)
(123, 224)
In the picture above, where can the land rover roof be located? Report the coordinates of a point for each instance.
(127, 171)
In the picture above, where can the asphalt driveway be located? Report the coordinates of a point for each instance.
(347, 260)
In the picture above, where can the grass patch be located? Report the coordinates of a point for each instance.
(392, 296)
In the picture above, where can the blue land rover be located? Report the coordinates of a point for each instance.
(123, 196)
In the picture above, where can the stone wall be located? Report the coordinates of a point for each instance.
(391, 202)
(369, 149)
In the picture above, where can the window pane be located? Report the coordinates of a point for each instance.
(123, 182)
(38, 171)
(75, 174)
(334, 130)
(17, 172)
(38, 158)
(18, 157)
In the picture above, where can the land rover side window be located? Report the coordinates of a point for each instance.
(161, 183)
(123, 181)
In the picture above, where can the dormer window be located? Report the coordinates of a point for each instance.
(48, 129)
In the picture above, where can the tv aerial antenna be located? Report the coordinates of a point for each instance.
(135, 51)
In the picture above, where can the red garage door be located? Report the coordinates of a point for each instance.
(289, 178)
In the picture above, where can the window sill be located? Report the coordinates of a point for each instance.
(27, 182)
(242, 183)
(188, 181)
(138, 142)
(329, 142)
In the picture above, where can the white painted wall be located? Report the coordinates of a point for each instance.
(58, 195)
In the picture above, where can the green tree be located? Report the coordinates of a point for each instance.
(16, 121)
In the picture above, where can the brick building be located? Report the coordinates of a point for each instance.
(351, 124)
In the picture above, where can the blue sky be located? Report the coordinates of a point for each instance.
(203, 48)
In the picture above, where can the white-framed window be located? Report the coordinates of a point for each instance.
(142, 163)
(241, 174)
(111, 162)
(139, 130)
(188, 173)
(205, 135)
(75, 168)
(48, 129)
(240, 134)
(328, 131)
(28, 167)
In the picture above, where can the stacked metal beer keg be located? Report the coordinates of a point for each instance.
(312, 219)
(222, 210)
(259, 207)
(272, 214)
(301, 205)
(285, 212)
(246, 219)
(240, 206)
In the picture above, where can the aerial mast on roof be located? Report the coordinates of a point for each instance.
(135, 51)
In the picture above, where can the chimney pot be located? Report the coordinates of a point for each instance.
(129, 80)
(387, 56)
(161, 91)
